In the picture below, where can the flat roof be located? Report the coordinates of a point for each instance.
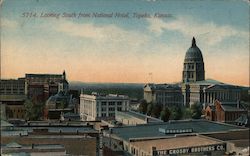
(128, 114)
(152, 130)
(175, 143)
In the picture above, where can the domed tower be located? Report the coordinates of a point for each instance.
(193, 69)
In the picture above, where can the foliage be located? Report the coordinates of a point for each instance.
(187, 113)
(176, 113)
(143, 106)
(165, 114)
(33, 110)
(156, 110)
(196, 110)
(149, 108)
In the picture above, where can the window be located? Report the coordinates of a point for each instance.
(111, 114)
(111, 103)
(119, 108)
(104, 103)
(111, 109)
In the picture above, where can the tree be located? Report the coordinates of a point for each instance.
(165, 114)
(156, 111)
(187, 113)
(33, 110)
(143, 106)
(149, 108)
(176, 113)
(196, 110)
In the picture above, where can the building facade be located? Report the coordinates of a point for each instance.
(97, 106)
(163, 94)
(224, 111)
(12, 95)
(41, 86)
(194, 87)
(187, 137)
(193, 68)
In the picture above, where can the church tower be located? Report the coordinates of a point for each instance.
(193, 69)
(63, 85)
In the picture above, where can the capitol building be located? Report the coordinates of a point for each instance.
(194, 88)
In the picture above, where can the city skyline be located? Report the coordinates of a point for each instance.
(104, 49)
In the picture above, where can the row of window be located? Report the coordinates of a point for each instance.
(109, 115)
(111, 109)
(111, 103)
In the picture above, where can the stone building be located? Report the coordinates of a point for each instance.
(193, 69)
(194, 87)
(164, 94)
(97, 106)
(197, 89)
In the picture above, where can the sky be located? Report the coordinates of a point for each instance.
(36, 37)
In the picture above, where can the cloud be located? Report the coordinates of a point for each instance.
(10, 24)
(104, 33)
(189, 27)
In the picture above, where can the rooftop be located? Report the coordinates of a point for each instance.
(95, 95)
(43, 75)
(152, 130)
(162, 86)
(129, 114)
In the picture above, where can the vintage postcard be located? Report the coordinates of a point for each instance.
(124, 77)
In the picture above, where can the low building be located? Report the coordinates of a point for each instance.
(59, 104)
(134, 118)
(14, 148)
(97, 106)
(76, 138)
(224, 111)
(166, 95)
(134, 139)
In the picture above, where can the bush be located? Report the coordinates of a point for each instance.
(165, 114)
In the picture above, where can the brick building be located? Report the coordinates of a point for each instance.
(224, 111)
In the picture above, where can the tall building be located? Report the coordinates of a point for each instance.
(193, 68)
(42, 86)
(196, 89)
(12, 95)
(97, 106)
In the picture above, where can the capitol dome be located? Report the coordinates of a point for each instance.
(193, 68)
(193, 53)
